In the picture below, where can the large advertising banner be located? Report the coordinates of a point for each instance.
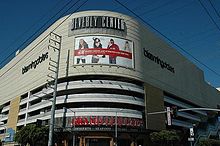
(103, 50)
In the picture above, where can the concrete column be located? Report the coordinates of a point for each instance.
(28, 104)
(65, 142)
(13, 113)
(154, 102)
(81, 141)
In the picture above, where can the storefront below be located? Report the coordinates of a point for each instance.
(99, 139)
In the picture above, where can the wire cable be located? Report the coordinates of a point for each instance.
(16, 40)
(51, 31)
(158, 7)
(207, 12)
(29, 38)
(169, 38)
(214, 9)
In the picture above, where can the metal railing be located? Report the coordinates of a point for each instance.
(212, 129)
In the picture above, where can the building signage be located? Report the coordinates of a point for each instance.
(103, 50)
(169, 120)
(107, 121)
(156, 59)
(98, 128)
(9, 135)
(98, 22)
(35, 63)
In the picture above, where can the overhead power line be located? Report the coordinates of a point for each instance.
(51, 31)
(148, 75)
(158, 7)
(207, 12)
(37, 31)
(29, 28)
(148, 24)
(214, 9)
(5, 60)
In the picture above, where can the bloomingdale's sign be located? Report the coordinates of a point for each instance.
(163, 64)
(35, 63)
(97, 22)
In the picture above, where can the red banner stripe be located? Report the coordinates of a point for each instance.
(103, 51)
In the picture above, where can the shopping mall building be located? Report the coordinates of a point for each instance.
(112, 71)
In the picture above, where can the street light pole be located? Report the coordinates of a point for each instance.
(51, 130)
(116, 129)
(74, 126)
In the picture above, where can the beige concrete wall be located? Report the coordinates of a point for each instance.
(13, 113)
(187, 82)
(154, 102)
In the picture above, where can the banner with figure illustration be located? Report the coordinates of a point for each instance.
(103, 50)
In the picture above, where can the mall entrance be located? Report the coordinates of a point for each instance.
(97, 141)
(101, 139)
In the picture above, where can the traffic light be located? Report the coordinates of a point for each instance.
(174, 111)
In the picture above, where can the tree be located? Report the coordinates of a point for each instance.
(205, 143)
(209, 142)
(33, 135)
(164, 137)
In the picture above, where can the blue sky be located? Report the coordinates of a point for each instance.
(185, 22)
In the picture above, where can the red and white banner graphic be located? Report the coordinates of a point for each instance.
(103, 50)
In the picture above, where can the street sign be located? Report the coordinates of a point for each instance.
(191, 139)
(169, 121)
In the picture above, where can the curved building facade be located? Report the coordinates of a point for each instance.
(112, 72)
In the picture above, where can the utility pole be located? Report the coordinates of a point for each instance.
(55, 44)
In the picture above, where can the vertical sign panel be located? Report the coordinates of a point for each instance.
(169, 121)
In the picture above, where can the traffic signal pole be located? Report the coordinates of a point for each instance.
(174, 110)
(199, 109)
(185, 109)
